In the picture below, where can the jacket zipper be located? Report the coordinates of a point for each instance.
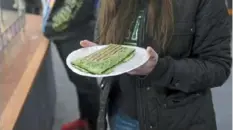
(142, 118)
(144, 106)
(140, 107)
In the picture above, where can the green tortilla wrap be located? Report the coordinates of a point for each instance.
(105, 60)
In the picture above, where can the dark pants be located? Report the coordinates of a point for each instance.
(33, 6)
(87, 88)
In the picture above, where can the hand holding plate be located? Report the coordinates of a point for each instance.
(149, 65)
(86, 43)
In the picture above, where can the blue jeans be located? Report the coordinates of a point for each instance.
(123, 122)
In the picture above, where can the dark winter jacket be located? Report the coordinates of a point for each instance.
(176, 94)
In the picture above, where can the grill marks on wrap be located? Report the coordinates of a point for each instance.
(104, 53)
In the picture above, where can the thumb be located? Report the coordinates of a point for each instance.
(86, 43)
(151, 52)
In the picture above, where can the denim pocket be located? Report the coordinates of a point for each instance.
(123, 122)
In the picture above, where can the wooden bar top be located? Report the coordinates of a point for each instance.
(19, 64)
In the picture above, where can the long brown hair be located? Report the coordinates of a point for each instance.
(115, 17)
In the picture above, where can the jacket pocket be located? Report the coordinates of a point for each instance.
(184, 28)
(182, 39)
(178, 113)
(174, 111)
(181, 99)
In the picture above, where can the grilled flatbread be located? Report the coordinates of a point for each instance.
(105, 60)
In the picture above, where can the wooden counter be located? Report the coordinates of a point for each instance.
(19, 64)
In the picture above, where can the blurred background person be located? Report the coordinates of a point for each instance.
(66, 23)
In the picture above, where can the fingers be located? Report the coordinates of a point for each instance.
(133, 72)
(86, 43)
(151, 52)
(136, 71)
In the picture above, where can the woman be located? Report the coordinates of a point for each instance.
(189, 46)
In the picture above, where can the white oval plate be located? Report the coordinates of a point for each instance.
(140, 58)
